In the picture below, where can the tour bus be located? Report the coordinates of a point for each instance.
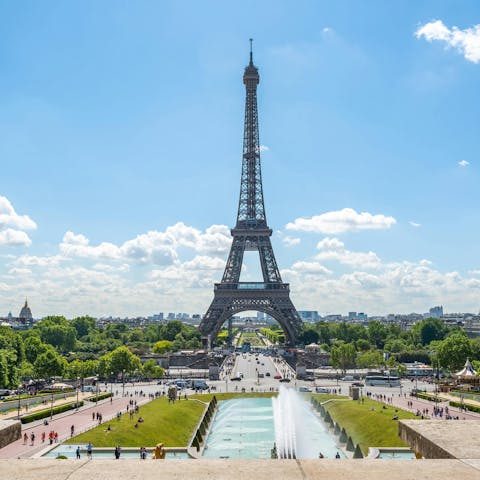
(379, 380)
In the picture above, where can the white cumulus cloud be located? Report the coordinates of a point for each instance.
(466, 41)
(334, 249)
(415, 224)
(463, 163)
(290, 241)
(12, 225)
(340, 221)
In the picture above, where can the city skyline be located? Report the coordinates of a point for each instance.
(118, 126)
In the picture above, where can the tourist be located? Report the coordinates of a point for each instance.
(320, 455)
(56, 437)
(72, 431)
(32, 438)
(337, 455)
(117, 452)
(25, 438)
(77, 451)
(43, 437)
(89, 450)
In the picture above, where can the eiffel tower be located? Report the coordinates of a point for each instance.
(251, 233)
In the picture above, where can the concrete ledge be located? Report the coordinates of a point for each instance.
(101, 469)
(442, 439)
(10, 430)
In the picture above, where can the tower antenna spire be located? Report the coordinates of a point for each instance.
(251, 51)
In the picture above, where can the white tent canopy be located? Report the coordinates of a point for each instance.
(467, 371)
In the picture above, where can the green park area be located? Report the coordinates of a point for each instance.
(369, 423)
(169, 423)
(252, 338)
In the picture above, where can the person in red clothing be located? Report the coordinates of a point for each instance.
(43, 437)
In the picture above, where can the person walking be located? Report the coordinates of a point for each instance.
(72, 431)
(78, 452)
(117, 452)
(25, 438)
(89, 450)
(32, 438)
(43, 437)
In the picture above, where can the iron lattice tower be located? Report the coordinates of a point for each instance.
(251, 233)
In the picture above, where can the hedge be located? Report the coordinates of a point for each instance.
(56, 390)
(46, 413)
(100, 396)
(470, 408)
(426, 396)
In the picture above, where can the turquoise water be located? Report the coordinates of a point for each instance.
(70, 452)
(244, 428)
(399, 455)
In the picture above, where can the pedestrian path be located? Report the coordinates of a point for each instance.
(82, 420)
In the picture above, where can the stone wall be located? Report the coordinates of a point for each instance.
(10, 430)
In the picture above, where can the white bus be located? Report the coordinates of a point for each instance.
(382, 380)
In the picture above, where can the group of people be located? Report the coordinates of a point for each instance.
(89, 451)
(97, 416)
(52, 437)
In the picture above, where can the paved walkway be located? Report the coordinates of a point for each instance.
(421, 405)
(82, 420)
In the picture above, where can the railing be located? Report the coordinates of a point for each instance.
(252, 286)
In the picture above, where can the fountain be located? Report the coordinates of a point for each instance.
(298, 431)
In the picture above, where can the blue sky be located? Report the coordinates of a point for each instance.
(120, 146)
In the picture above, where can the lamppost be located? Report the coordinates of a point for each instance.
(19, 406)
(96, 396)
(51, 407)
(111, 384)
(123, 382)
(78, 389)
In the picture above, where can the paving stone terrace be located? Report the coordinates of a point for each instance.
(99, 469)
(442, 439)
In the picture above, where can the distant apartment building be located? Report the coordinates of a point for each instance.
(309, 316)
(471, 325)
(436, 312)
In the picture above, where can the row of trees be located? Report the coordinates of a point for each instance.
(429, 341)
(75, 348)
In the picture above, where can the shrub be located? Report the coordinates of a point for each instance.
(470, 408)
(46, 412)
(100, 396)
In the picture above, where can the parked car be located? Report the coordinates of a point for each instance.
(285, 380)
(235, 379)
(358, 384)
(200, 385)
(304, 389)
(277, 377)
(267, 374)
(322, 390)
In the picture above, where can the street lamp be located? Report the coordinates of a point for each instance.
(18, 408)
(96, 396)
(78, 388)
(51, 407)
(111, 384)
(123, 382)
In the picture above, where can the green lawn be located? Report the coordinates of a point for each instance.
(173, 424)
(369, 424)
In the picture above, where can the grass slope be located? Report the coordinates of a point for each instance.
(368, 423)
(172, 424)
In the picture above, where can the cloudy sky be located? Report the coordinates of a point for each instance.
(120, 148)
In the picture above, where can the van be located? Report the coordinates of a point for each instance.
(348, 378)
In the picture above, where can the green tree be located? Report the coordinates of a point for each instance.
(430, 329)
(377, 333)
(49, 364)
(34, 347)
(162, 346)
(372, 359)
(343, 356)
(453, 351)
(57, 331)
(83, 325)
(152, 370)
(121, 359)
